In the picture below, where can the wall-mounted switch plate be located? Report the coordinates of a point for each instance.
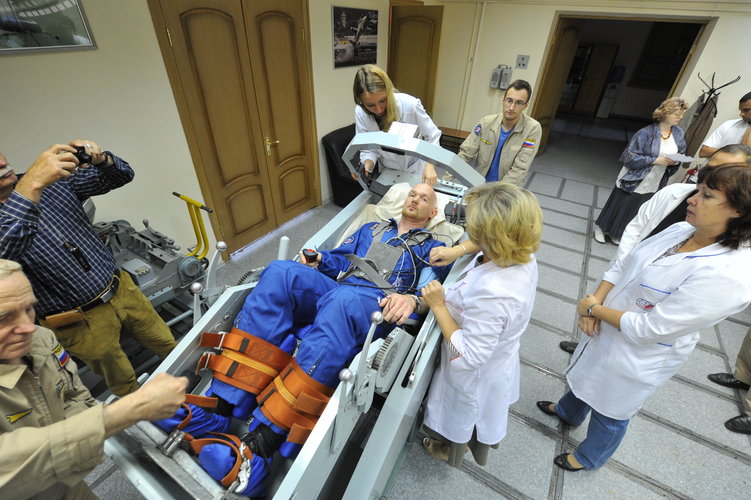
(522, 62)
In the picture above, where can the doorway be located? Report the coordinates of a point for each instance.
(242, 80)
(602, 73)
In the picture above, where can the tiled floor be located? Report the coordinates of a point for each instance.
(676, 447)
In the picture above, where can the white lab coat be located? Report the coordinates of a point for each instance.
(410, 111)
(666, 303)
(651, 214)
(478, 376)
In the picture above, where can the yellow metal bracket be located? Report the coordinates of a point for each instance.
(202, 241)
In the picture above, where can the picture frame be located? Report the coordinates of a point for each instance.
(355, 36)
(43, 25)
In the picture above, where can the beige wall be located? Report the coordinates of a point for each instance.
(119, 94)
(333, 87)
(508, 28)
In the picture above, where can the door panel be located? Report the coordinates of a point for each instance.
(210, 52)
(595, 77)
(413, 50)
(280, 67)
(553, 74)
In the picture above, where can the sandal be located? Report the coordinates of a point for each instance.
(436, 449)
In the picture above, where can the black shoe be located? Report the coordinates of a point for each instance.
(547, 407)
(728, 380)
(740, 424)
(562, 462)
(568, 346)
(263, 441)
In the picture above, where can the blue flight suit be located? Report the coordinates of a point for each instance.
(291, 295)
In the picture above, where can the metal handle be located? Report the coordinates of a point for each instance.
(268, 142)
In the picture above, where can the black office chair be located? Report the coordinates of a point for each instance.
(343, 187)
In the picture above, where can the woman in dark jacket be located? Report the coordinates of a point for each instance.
(646, 169)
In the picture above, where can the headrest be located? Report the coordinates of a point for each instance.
(390, 207)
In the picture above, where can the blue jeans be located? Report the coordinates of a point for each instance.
(604, 434)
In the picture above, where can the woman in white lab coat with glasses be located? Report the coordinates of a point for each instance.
(482, 318)
(644, 318)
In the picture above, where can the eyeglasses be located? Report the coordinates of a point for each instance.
(510, 102)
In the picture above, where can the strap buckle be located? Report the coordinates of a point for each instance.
(243, 475)
(203, 363)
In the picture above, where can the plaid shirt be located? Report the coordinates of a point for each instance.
(41, 237)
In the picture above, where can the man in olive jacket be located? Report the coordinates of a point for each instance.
(502, 146)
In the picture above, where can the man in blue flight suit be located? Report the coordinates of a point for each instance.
(332, 297)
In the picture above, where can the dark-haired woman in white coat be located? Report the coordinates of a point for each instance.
(643, 320)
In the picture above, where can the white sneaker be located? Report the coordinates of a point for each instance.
(599, 236)
(615, 241)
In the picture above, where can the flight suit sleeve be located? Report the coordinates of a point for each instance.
(517, 174)
(35, 458)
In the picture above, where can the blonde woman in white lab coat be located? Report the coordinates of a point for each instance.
(482, 318)
(643, 320)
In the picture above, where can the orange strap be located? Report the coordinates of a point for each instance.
(234, 373)
(294, 402)
(228, 440)
(250, 345)
(202, 401)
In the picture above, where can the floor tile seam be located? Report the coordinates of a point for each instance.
(552, 328)
(562, 247)
(543, 369)
(558, 268)
(739, 322)
(706, 389)
(536, 193)
(561, 212)
(697, 438)
(563, 178)
(567, 229)
(570, 444)
(711, 349)
(644, 480)
(491, 482)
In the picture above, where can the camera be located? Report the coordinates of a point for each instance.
(82, 156)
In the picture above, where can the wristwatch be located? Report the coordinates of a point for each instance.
(589, 310)
(418, 303)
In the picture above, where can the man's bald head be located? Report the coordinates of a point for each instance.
(16, 312)
(421, 204)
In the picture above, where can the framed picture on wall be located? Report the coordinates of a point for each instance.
(355, 36)
(29, 25)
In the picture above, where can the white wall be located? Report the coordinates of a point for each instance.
(508, 28)
(117, 95)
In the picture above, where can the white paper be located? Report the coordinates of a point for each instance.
(679, 157)
(408, 130)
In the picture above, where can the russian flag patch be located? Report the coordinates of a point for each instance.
(61, 355)
(529, 143)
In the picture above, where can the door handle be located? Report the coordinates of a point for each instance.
(268, 144)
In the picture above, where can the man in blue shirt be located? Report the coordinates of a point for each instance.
(81, 295)
(502, 146)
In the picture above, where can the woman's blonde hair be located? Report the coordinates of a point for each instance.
(668, 107)
(370, 79)
(505, 221)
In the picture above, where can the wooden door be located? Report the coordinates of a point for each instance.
(561, 51)
(413, 50)
(595, 76)
(226, 92)
(284, 92)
